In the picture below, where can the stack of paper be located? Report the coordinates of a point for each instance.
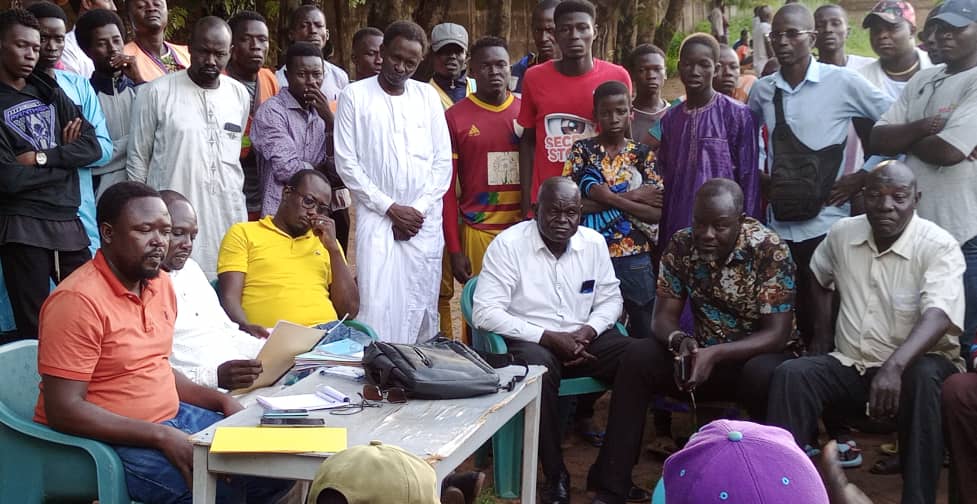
(325, 397)
(345, 352)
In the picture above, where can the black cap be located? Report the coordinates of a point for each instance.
(958, 13)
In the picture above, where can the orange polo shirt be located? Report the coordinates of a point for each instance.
(92, 329)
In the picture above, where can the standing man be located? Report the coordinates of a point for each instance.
(648, 74)
(249, 47)
(557, 101)
(707, 136)
(308, 24)
(892, 31)
(155, 57)
(544, 39)
(899, 278)
(449, 48)
(717, 21)
(100, 36)
(932, 124)
(729, 79)
(43, 142)
(74, 58)
(800, 215)
(289, 132)
(186, 136)
(831, 23)
(366, 52)
(449, 53)
(394, 153)
(761, 44)
(485, 149)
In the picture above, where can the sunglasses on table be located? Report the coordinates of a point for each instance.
(392, 395)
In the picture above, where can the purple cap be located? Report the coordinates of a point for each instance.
(742, 462)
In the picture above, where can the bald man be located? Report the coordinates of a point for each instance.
(739, 278)
(548, 287)
(900, 280)
(186, 136)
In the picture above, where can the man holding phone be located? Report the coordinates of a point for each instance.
(739, 278)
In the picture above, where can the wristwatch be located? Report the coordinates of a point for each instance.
(40, 158)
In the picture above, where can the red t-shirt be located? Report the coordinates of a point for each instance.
(561, 109)
(485, 149)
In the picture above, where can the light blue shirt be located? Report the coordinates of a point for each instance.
(818, 111)
(80, 91)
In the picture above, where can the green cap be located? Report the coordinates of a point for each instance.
(377, 473)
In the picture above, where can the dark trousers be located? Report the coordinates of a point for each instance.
(622, 362)
(802, 388)
(341, 217)
(745, 382)
(805, 281)
(28, 272)
(960, 425)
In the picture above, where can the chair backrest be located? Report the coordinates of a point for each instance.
(467, 300)
(19, 378)
(481, 340)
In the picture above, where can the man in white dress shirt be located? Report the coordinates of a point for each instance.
(208, 348)
(549, 288)
(393, 152)
(185, 135)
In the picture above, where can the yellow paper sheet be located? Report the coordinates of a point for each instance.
(278, 439)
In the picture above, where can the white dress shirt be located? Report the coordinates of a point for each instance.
(74, 59)
(524, 289)
(203, 336)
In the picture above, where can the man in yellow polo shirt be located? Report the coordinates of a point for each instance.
(288, 266)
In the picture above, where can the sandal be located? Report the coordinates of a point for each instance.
(849, 455)
(890, 448)
(887, 465)
(811, 451)
(588, 431)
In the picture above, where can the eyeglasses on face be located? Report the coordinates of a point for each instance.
(309, 203)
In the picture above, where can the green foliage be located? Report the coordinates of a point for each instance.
(178, 17)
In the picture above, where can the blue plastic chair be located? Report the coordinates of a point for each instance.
(507, 442)
(38, 464)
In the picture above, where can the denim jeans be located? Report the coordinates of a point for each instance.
(152, 479)
(969, 250)
(638, 290)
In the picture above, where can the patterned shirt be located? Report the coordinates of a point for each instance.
(588, 164)
(728, 300)
(287, 138)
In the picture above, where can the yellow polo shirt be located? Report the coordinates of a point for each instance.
(285, 278)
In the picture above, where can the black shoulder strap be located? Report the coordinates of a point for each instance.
(778, 106)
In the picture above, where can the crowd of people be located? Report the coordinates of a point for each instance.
(799, 241)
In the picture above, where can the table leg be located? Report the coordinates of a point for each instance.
(204, 482)
(530, 445)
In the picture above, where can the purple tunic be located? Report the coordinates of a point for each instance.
(717, 140)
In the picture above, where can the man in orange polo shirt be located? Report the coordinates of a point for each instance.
(105, 338)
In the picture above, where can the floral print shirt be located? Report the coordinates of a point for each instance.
(588, 164)
(729, 299)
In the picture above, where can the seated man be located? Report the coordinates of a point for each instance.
(900, 280)
(549, 288)
(288, 266)
(208, 348)
(739, 278)
(105, 335)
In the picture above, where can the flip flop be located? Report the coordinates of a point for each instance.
(887, 465)
(812, 451)
(889, 448)
(849, 456)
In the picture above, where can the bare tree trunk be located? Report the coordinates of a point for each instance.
(500, 21)
(626, 33)
(669, 24)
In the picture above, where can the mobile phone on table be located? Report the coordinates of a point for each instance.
(292, 422)
(281, 413)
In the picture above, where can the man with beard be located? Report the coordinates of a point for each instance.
(155, 57)
(366, 52)
(208, 348)
(544, 39)
(900, 280)
(44, 141)
(116, 385)
(186, 136)
(394, 153)
(249, 47)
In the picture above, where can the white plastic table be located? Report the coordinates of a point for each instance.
(445, 433)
